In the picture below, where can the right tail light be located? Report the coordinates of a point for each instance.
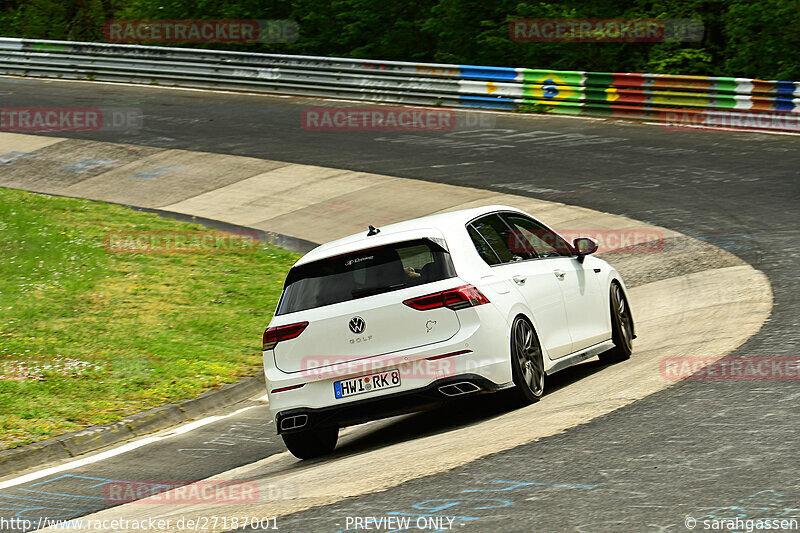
(455, 299)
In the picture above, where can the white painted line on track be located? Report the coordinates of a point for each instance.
(169, 87)
(118, 451)
(672, 127)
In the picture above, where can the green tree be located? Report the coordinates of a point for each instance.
(748, 38)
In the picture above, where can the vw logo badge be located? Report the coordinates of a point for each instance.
(357, 325)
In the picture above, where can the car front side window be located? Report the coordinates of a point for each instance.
(533, 237)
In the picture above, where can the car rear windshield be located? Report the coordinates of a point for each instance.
(364, 273)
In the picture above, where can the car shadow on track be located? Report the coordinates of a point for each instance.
(454, 415)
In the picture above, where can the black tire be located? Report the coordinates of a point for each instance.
(621, 327)
(527, 361)
(311, 443)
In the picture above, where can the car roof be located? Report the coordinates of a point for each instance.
(438, 225)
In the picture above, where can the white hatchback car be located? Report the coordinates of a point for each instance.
(408, 316)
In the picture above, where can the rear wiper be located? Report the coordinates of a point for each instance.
(360, 293)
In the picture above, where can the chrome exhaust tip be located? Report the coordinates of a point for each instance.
(458, 389)
(294, 422)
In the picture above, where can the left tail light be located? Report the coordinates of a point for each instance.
(273, 336)
(455, 299)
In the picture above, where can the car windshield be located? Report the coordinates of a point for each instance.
(364, 273)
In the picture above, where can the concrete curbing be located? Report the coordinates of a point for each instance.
(93, 438)
(31, 455)
(278, 239)
(336, 202)
(154, 419)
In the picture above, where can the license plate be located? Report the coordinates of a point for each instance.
(364, 384)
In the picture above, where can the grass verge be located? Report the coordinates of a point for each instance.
(89, 335)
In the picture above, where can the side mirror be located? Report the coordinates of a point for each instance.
(584, 246)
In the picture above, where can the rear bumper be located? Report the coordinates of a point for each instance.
(481, 347)
(399, 403)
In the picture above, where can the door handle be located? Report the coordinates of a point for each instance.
(519, 280)
(559, 274)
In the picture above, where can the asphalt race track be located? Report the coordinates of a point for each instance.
(701, 449)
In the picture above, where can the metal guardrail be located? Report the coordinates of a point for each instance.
(680, 100)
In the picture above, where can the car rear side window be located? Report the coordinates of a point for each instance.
(483, 248)
(364, 273)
